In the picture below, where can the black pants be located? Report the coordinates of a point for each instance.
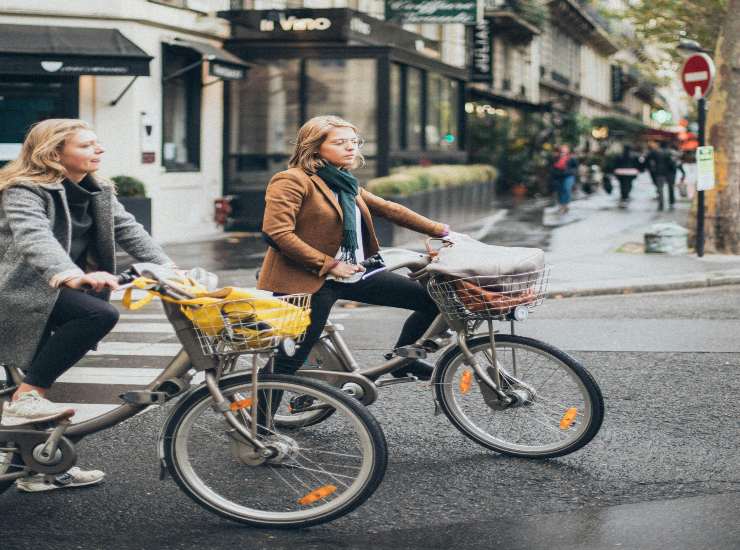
(382, 289)
(625, 186)
(668, 180)
(77, 323)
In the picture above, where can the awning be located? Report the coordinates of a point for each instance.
(221, 63)
(36, 49)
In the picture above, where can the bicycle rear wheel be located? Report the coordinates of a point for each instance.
(319, 474)
(558, 407)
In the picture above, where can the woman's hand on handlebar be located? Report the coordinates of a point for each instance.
(344, 270)
(97, 281)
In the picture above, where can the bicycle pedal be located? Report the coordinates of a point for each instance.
(141, 397)
(411, 352)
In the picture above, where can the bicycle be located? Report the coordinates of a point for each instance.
(219, 442)
(511, 394)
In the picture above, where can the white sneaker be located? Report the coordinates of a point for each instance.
(74, 477)
(31, 407)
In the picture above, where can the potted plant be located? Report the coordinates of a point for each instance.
(131, 193)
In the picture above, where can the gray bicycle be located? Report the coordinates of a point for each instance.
(220, 441)
(511, 394)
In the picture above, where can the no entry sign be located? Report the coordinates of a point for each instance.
(697, 75)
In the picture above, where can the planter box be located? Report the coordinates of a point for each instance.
(141, 208)
(455, 206)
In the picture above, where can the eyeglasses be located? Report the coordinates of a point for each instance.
(356, 142)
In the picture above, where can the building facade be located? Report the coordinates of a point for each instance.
(155, 100)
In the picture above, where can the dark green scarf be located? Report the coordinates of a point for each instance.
(346, 186)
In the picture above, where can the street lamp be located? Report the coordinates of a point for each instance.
(687, 47)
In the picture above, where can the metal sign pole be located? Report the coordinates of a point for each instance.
(702, 106)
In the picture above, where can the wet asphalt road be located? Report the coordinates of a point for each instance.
(662, 473)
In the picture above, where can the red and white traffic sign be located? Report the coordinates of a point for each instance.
(697, 75)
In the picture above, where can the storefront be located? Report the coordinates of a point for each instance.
(408, 105)
(40, 68)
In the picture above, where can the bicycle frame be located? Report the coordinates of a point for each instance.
(177, 369)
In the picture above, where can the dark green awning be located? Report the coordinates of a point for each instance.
(40, 49)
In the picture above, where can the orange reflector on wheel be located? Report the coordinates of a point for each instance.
(466, 380)
(241, 404)
(568, 417)
(317, 494)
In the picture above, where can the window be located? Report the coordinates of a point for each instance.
(264, 116)
(413, 109)
(394, 123)
(441, 128)
(346, 88)
(181, 98)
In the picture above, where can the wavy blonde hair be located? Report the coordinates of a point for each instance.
(310, 137)
(38, 162)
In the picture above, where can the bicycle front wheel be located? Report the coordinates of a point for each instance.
(557, 406)
(319, 473)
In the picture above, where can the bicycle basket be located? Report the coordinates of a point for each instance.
(488, 297)
(233, 326)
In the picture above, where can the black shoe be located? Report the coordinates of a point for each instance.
(419, 368)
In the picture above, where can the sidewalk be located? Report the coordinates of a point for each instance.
(602, 252)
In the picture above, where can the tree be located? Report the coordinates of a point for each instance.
(723, 132)
(716, 25)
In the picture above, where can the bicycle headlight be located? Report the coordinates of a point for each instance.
(521, 313)
(288, 346)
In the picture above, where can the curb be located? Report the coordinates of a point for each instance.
(703, 282)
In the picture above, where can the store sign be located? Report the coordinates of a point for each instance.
(482, 53)
(467, 12)
(227, 72)
(292, 23)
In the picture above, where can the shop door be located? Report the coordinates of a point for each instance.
(26, 100)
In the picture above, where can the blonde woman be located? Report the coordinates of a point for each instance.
(318, 221)
(59, 225)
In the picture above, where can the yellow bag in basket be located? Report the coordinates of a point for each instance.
(253, 318)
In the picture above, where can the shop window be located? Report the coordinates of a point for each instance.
(396, 108)
(442, 104)
(413, 109)
(181, 99)
(25, 100)
(264, 116)
(346, 88)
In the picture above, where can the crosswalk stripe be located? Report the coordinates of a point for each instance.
(136, 348)
(142, 317)
(132, 376)
(164, 328)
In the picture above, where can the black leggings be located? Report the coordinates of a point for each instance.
(382, 289)
(77, 323)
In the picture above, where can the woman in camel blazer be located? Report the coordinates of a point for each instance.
(318, 221)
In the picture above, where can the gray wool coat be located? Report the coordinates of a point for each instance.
(35, 240)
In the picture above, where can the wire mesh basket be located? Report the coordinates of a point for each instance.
(250, 325)
(488, 297)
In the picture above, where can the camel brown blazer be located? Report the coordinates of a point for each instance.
(304, 219)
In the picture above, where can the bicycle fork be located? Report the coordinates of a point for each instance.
(494, 384)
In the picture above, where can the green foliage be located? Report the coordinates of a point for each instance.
(407, 181)
(663, 23)
(127, 186)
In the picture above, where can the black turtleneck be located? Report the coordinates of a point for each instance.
(79, 196)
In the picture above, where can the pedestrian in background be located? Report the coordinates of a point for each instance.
(626, 168)
(664, 164)
(563, 177)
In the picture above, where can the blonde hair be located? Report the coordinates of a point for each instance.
(310, 137)
(38, 162)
